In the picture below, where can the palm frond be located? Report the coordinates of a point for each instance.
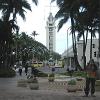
(35, 1)
(21, 13)
(62, 22)
(26, 5)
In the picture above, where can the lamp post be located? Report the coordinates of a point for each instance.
(67, 45)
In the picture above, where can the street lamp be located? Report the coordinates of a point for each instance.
(67, 44)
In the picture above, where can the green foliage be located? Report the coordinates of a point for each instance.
(76, 73)
(7, 72)
(56, 56)
(51, 75)
(80, 73)
(72, 82)
(41, 74)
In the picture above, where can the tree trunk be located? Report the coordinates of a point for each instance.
(74, 44)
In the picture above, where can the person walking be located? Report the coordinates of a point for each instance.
(20, 70)
(90, 78)
(26, 70)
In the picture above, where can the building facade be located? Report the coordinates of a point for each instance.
(51, 33)
(87, 53)
(68, 54)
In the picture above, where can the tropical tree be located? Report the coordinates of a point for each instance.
(8, 25)
(6, 41)
(84, 17)
(13, 7)
(83, 27)
(68, 10)
(29, 49)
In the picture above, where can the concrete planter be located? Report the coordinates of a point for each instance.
(34, 86)
(51, 79)
(33, 83)
(97, 85)
(71, 88)
(80, 84)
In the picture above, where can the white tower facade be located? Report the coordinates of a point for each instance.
(51, 33)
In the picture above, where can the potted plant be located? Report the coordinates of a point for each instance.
(97, 85)
(51, 77)
(80, 83)
(71, 86)
(33, 83)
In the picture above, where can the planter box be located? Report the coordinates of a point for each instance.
(97, 85)
(31, 80)
(34, 86)
(51, 79)
(80, 84)
(71, 88)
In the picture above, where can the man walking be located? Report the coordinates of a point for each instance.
(91, 78)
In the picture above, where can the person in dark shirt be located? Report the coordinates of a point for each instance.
(91, 69)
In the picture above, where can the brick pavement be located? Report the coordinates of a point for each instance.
(10, 91)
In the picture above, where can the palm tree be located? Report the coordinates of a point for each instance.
(14, 7)
(6, 40)
(34, 34)
(68, 10)
(35, 1)
(9, 8)
(28, 46)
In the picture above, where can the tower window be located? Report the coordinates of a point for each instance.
(94, 54)
(50, 29)
(50, 24)
(93, 45)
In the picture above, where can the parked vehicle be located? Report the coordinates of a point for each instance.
(37, 64)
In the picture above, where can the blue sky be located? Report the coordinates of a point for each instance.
(36, 21)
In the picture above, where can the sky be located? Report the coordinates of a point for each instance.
(36, 21)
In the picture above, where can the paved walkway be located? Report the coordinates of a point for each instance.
(10, 91)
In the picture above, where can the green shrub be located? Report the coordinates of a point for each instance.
(72, 82)
(7, 72)
(51, 75)
(79, 73)
(32, 80)
(41, 74)
(76, 73)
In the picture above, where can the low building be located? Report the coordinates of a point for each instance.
(68, 54)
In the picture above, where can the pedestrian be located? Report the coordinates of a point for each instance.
(20, 70)
(32, 70)
(26, 70)
(91, 69)
(53, 69)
